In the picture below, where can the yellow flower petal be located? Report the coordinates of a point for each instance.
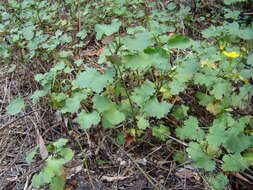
(231, 55)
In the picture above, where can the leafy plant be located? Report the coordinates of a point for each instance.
(53, 172)
(151, 72)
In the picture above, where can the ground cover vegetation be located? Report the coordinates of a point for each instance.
(175, 71)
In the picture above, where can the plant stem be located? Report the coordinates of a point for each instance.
(125, 87)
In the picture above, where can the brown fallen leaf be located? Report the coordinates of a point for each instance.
(94, 53)
(113, 179)
(74, 170)
(128, 139)
(42, 146)
(185, 173)
(107, 39)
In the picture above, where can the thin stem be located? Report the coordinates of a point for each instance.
(125, 87)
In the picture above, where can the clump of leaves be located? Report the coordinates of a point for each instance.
(53, 172)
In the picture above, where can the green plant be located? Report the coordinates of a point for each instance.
(53, 173)
(146, 76)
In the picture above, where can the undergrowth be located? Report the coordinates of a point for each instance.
(152, 55)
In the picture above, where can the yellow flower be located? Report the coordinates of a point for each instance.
(222, 47)
(231, 55)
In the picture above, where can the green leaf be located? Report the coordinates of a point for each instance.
(30, 155)
(216, 135)
(15, 106)
(60, 143)
(204, 99)
(102, 103)
(179, 41)
(40, 93)
(204, 79)
(153, 108)
(190, 130)
(104, 29)
(199, 158)
(232, 28)
(139, 42)
(180, 112)
(138, 61)
(68, 70)
(82, 34)
(110, 115)
(28, 32)
(55, 165)
(58, 66)
(65, 39)
(176, 87)
(221, 88)
(86, 120)
(218, 182)
(120, 139)
(142, 93)
(158, 58)
(57, 183)
(234, 162)
(180, 157)
(67, 154)
(113, 116)
(65, 54)
(142, 123)
(250, 59)
(10, 70)
(238, 142)
(38, 180)
(162, 132)
(92, 79)
(171, 6)
(45, 176)
(73, 104)
(78, 62)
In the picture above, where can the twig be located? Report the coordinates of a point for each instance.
(177, 140)
(27, 182)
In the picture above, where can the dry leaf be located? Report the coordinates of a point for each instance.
(113, 179)
(43, 148)
(94, 53)
(185, 173)
(128, 139)
(213, 108)
(107, 39)
(73, 171)
(68, 188)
